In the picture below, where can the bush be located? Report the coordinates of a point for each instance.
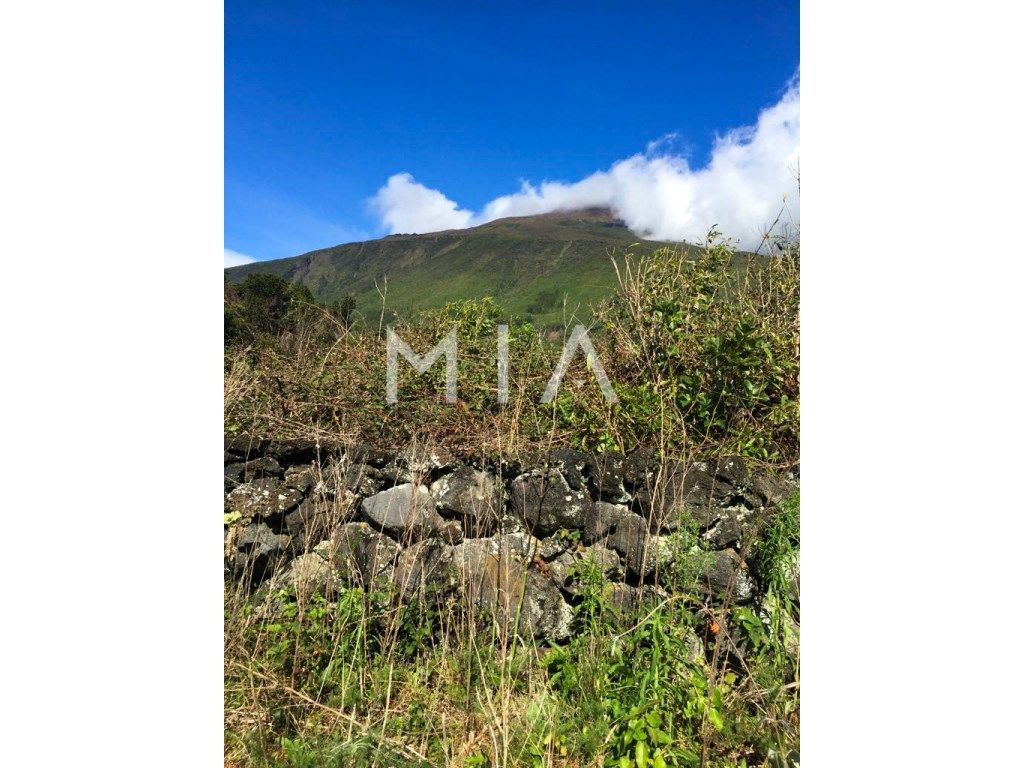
(264, 306)
(704, 352)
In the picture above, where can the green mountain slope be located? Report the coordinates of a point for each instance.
(530, 264)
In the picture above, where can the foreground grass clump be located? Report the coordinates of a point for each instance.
(703, 352)
(358, 678)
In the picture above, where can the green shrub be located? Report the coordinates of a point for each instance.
(703, 351)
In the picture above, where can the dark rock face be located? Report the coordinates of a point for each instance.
(242, 472)
(233, 474)
(642, 553)
(300, 451)
(545, 614)
(568, 568)
(266, 499)
(637, 468)
(471, 495)
(363, 553)
(362, 479)
(732, 529)
(366, 454)
(306, 575)
(407, 512)
(426, 570)
(302, 479)
(546, 502)
(571, 464)
(677, 498)
(723, 574)
(241, 448)
(607, 478)
(312, 517)
(553, 546)
(630, 540)
(258, 549)
(601, 518)
(497, 578)
(623, 598)
(771, 489)
(417, 464)
(731, 470)
(314, 520)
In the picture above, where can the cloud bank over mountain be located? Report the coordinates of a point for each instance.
(752, 175)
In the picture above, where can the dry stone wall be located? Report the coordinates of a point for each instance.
(509, 538)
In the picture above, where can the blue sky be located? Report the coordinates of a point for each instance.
(325, 102)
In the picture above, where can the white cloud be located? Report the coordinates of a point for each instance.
(234, 258)
(753, 171)
(404, 205)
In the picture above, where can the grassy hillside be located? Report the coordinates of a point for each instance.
(530, 264)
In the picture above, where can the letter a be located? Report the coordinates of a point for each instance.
(579, 338)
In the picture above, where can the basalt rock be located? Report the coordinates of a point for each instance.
(638, 468)
(643, 554)
(568, 568)
(724, 574)
(257, 550)
(417, 464)
(307, 516)
(301, 451)
(242, 472)
(571, 464)
(314, 520)
(601, 518)
(265, 499)
(607, 478)
(307, 575)
(546, 502)
(302, 478)
(730, 530)
(244, 447)
(678, 498)
(362, 479)
(473, 496)
(427, 571)
(366, 556)
(731, 470)
(407, 512)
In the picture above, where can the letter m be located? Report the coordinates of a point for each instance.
(448, 347)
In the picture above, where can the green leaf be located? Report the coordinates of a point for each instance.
(641, 754)
(716, 718)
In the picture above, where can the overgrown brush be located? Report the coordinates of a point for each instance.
(703, 353)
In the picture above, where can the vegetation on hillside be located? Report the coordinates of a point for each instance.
(540, 268)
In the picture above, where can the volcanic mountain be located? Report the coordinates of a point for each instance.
(544, 267)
